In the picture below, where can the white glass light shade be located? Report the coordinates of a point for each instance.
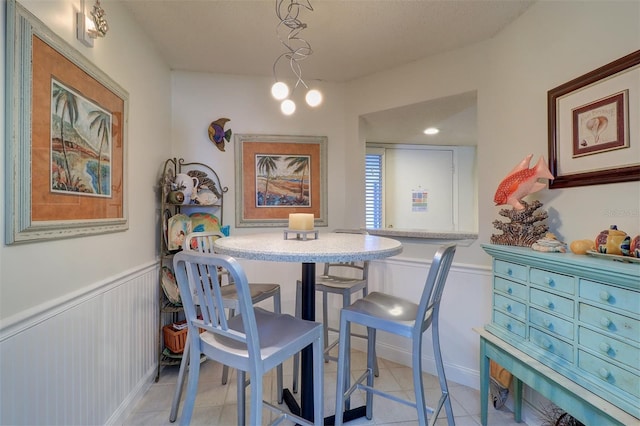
(288, 107)
(313, 98)
(431, 131)
(280, 90)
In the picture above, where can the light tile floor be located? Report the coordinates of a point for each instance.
(216, 403)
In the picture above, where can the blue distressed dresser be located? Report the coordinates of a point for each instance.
(569, 327)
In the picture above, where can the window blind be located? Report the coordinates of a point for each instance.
(373, 190)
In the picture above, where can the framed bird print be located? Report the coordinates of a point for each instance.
(594, 126)
(279, 175)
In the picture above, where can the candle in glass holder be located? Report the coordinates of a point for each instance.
(301, 221)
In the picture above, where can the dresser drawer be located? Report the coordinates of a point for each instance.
(551, 344)
(512, 288)
(611, 322)
(509, 324)
(609, 348)
(552, 303)
(552, 280)
(551, 323)
(512, 270)
(607, 295)
(607, 372)
(511, 306)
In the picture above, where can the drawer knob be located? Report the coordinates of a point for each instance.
(548, 303)
(547, 323)
(509, 290)
(605, 347)
(604, 295)
(605, 322)
(548, 281)
(507, 307)
(604, 373)
(508, 326)
(546, 344)
(509, 271)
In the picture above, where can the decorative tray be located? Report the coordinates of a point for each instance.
(615, 257)
(178, 227)
(170, 286)
(204, 222)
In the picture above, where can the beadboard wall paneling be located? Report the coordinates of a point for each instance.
(83, 360)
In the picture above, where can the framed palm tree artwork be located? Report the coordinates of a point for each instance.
(279, 175)
(66, 138)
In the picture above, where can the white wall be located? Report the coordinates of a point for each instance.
(432, 169)
(38, 273)
(199, 99)
(550, 44)
(78, 317)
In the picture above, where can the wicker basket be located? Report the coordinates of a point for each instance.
(174, 339)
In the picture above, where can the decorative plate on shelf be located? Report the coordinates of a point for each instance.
(178, 226)
(170, 286)
(204, 222)
(615, 257)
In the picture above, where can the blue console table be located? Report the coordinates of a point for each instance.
(568, 326)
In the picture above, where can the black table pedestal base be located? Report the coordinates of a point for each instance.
(355, 413)
(291, 402)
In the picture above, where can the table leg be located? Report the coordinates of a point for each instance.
(306, 364)
(517, 399)
(484, 382)
(308, 296)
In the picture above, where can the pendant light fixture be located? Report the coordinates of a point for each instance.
(297, 49)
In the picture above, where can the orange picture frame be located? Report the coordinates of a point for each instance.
(279, 175)
(39, 61)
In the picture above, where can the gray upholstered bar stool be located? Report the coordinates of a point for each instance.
(379, 311)
(341, 278)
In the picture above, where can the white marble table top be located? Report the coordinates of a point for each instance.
(329, 247)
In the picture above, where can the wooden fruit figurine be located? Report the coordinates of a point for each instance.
(634, 246)
(612, 241)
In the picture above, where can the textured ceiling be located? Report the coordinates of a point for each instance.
(350, 38)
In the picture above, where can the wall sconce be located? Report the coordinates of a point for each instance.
(93, 26)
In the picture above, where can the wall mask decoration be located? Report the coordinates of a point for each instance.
(217, 134)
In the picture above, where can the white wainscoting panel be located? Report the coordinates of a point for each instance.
(83, 359)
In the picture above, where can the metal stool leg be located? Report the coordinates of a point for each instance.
(175, 404)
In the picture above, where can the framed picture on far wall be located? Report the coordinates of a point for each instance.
(602, 125)
(594, 126)
(279, 175)
(67, 138)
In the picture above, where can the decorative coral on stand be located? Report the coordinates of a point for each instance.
(525, 227)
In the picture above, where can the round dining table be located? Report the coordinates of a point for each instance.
(319, 247)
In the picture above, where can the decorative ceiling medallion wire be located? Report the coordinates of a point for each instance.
(297, 50)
